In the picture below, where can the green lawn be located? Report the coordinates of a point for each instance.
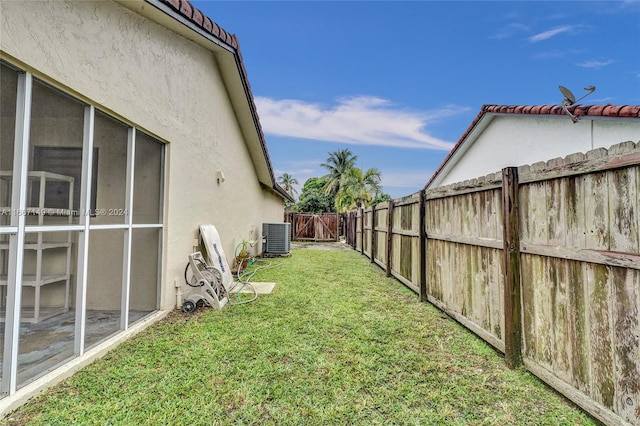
(335, 343)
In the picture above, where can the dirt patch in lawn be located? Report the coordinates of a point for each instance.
(325, 245)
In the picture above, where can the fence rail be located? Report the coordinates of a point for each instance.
(541, 261)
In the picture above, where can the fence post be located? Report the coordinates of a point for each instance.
(291, 220)
(511, 255)
(373, 234)
(423, 248)
(389, 236)
(362, 230)
(353, 232)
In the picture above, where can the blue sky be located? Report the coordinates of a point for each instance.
(398, 83)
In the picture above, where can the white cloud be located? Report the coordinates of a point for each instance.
(595, 63)
(361, 120)
(550, 33)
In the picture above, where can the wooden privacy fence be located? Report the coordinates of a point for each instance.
(314, 227)
(541, 261)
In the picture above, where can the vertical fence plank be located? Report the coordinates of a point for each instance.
(362, 230)
(578, 300)
(623, 217)
(389, 236)
(511, 244)
(422, 275)
(626, 325)
(374, 236)
(600, 295)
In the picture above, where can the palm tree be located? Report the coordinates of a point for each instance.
(286, 181)
(338, 164)
(358, 188)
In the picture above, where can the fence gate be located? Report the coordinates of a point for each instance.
(314, 227)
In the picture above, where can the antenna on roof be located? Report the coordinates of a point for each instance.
(569, 99)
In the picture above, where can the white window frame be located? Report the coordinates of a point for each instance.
(18, 229)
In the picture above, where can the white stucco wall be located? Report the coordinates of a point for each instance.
(515, 140)
(166, 85)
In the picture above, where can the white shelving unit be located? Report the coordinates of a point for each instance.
(41, 277)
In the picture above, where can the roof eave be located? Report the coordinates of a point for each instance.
(184, 19)
(474, 130)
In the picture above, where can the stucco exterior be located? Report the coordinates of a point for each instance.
(142, 65)
(507, 140)
(167, 85)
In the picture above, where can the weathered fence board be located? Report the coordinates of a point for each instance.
(626, 326)
(578, 258)
(464, 257)
(380, 230)
(368, 235)
(405, 241)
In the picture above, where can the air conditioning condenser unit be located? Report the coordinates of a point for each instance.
(276, 238)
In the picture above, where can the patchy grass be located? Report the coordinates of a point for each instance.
(335, 343)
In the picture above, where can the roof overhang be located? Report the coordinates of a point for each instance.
(182, 18)
(459, 149)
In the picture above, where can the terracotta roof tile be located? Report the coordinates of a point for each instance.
(593, 110)
(556, 110)
(611, 111)
(207, 25)
(186, 9)
(216, 30)
(629, 111)
(198, 17)
(174, 3)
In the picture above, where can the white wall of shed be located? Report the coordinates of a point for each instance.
(512, 140)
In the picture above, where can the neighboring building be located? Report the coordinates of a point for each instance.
(124, 126)
(508, 136)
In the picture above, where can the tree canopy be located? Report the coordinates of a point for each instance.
(313, 199)
(343, 188)
(357, 189)
(338, 164)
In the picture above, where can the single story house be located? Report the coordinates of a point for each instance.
(508, 136)
(125, 125)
